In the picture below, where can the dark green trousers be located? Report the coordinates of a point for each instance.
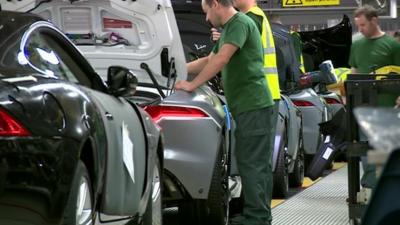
(254, 144)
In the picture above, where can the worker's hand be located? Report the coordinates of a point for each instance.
(215, 34)
(184, 85)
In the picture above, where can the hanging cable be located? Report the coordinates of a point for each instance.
(41, 2)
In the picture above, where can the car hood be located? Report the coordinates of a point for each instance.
(147, 29)
(327, 44)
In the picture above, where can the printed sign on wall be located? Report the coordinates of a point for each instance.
(300, 3)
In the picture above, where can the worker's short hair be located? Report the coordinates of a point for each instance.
(396, 34)
(366, 10)
(222, 2)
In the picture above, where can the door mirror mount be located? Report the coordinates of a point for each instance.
(121, 81)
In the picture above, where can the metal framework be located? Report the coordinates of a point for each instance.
(310, 18)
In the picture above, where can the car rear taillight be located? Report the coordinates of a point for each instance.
(10, 126)
(332, 101)
(159, 112)
(302, 103)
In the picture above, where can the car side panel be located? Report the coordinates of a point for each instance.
(125, 140)
(35, 179)
(333, 108)
(36, 172)
(192, 145)
(280, 128)
(294, 129)
(190, 152)
(312, 116)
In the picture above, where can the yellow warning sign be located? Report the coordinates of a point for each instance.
(300, 3)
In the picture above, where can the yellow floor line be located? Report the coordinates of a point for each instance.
(308, 182)
(338, 165)
(276, 202)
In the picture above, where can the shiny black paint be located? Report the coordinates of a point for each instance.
(71, 114)
(36, 172)
(49, 109)
(328, 44)
(30, 169)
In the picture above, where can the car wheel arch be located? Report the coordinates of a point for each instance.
(280, 174)
(87, 156)
(276, 150)
(160, 153)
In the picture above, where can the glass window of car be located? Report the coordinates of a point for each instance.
(45, 53)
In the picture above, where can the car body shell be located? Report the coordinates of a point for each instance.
(69, 119)
(191, 144)
(333, 44)
(316, 110)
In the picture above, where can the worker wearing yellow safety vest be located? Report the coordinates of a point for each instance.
(341, 75)
(250, 8)
(342, 72)
(270, 67)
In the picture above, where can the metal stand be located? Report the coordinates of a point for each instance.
(354, 152)
(356, 95)
(363, 90)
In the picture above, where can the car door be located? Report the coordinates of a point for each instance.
(126, 158)
(55, 56)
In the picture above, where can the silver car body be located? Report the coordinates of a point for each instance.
(292, 119)
(311, 105)
(330, 44)
(290, 122)
(333, 100)
(313, 114)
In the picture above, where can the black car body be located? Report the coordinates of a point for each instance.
(64, 133)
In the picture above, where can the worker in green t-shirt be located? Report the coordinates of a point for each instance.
(250, 8)
(375, 49)
(239, 56)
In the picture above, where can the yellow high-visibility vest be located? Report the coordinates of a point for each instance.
(341, 75)
(342, 72)
(388, 69)
(270, 68)
(302, 68)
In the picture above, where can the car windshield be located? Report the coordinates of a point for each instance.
(24, 51)
(11, 62)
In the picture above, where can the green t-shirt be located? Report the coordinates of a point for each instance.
(243, 77)
(369, 54)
